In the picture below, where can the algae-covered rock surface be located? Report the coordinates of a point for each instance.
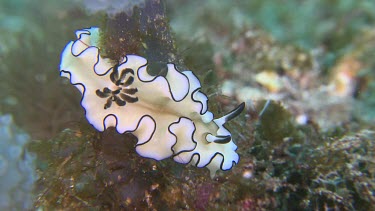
(305, 71)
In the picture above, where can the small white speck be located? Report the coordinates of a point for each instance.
(247, 174)
(302, 119)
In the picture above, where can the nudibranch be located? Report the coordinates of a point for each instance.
(168, 114)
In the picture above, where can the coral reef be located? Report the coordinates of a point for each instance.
(92, 170)
(305, 68)
(300, 170)
(17, 168)
(282, 73)
(307, 170)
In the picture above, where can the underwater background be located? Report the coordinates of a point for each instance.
(305, 69)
